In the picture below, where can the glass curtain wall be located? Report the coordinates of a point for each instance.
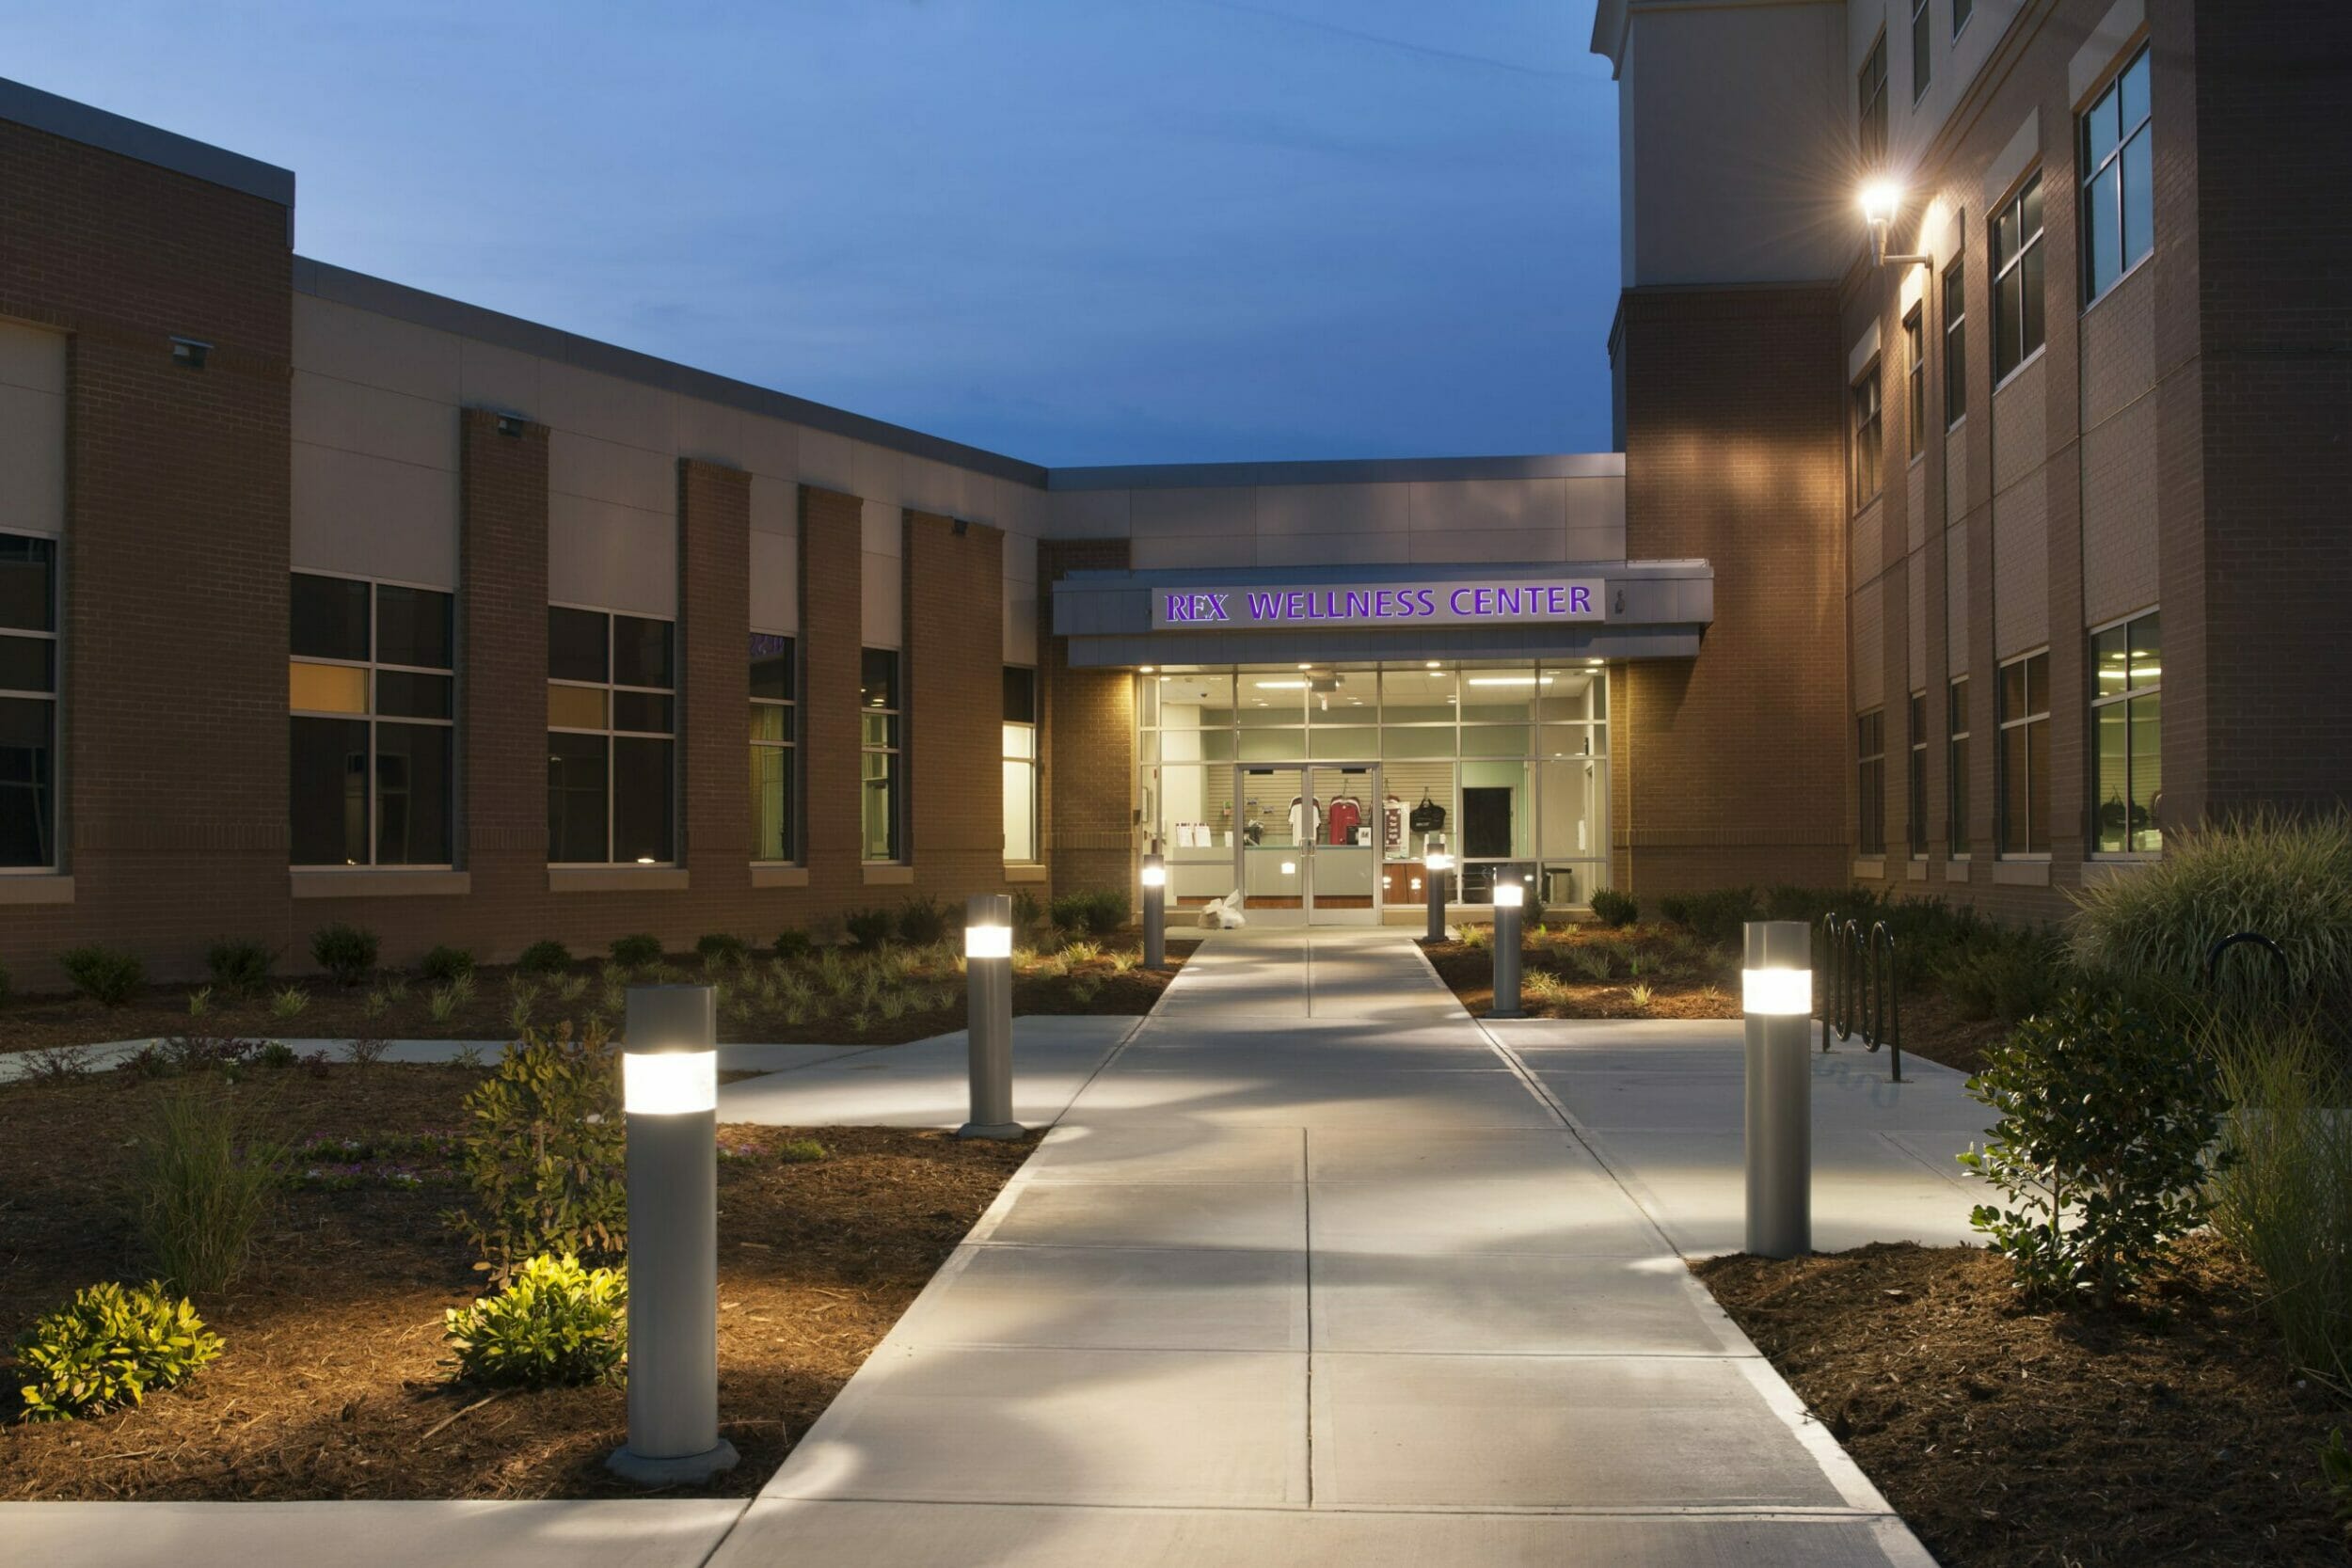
(1510, 764)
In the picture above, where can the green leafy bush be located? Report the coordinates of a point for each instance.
(240, 967)
(544, 1155)
(205, 1183)
(445, 963)
(1716, 917)
(2009, 976)
(1614, 909)
(800, 1151)
(791, 943)
(922, 921)
(722, 950)
(1027, 912)
(868, 929)
(1097, 911)
(2289, 878)
(345, 951)
(108, 1346)
(551, 958)
(2105, 1118)
(556, 1323)
(637, 952)
(106, 975)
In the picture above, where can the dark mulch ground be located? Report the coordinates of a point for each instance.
(2171, 1433)
(330, 1386)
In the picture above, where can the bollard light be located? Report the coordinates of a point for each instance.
(1776, 994)
(1154, 912)
(1438, 862)
(988, 981)
(670, 1104)
(1510, 897)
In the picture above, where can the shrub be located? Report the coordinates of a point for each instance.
(109, 1346)
(2104, 1123)
(544, 1155)
(868, 929)
(555, 1323)
(550, 958)
(1097, 911)
(721, 950)
(444, 964)
(1027, 912)
(345, 951)
(7, 983)
(1716, 917)
(238, 967)
(922, 921)
(106, 975)
(205, 1181)
(277, 1055)
(636, 952)
(1614, 909)
(791, 943)
(800, 1151)
(2007, 975)
(2289, 878)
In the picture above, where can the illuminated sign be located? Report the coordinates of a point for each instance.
(1465, 602)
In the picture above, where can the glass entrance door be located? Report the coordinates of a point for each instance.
(1307, 846)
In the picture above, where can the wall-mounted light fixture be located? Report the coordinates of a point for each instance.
(510, 426)
(1881, 201)
(189, 353)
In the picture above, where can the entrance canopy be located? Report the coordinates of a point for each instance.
(1330, 613)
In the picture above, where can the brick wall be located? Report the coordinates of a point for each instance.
(714, 514)
(832, 562)
(954, 652)
(1088, 803)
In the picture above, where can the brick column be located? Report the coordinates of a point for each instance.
(503, 676)
(955, 640)
(832, 632)
(1087, 801)
(715, 816)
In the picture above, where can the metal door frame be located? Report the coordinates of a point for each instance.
(1307, 913)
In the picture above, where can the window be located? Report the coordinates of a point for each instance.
(1020, 765)
(1962, 10)
(2119, 196)
(1916, 415)
(774, 695)
(29, 703)
(2023, 702)
(2017, 279)
(1921, 60)
(1956, 769)
(1955, 345)
(1916, 778)
(612, 738)
(881, 747)
(372, 697)
(1869, 438)
(1871, 742)
(1871, 96)
(2128, 734)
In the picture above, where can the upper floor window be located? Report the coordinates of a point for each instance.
(29, 701)
(1956, 768)
(1020, 764)
(1916, 380)
(2017, 325)
(1962, 10)
(371, 692)
(2119, 196)
(1915, 777)
(1869, 438)
(1922, 52)
(2126, 725)
(774, 747)
(1955, 345)
(612, 738)
(1871, 746)
(2023, 715)
(1870, 93)
(882, 740)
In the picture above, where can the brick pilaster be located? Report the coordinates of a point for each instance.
(503, 665)
(832, 630)
(714, 683)
(954, 659)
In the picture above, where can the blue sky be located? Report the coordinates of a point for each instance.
(1073, 231)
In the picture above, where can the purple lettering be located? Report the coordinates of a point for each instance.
(1217, 610)
(1359, 604)
(1295, 606)
(1507, 601)
(1454, 602)
(1482, 601)
(1383, 605)
(1580, 600)
(1555, 600)
(1265, 607)
(1180, 606)
(1429, 601)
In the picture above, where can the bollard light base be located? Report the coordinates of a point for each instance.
(1004, 1132)
(689, 1470)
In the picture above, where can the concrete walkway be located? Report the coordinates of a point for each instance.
(1311, 1272)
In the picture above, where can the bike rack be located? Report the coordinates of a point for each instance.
(1860, 988)
(2214, 954)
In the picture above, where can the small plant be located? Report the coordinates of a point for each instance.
(636, 952)
(277, 1055)
(2335, 1471)
(205, 1182)
(1027, 912)
(1478, 939)
(1616, 910)
(922, 921)
(289, 1004)
(1082, 952)
(442, 1005)
(345, 951)
(544, 1157)
(1640, 996)
(860, 1020)
(555, 1324)
(571, 988)
(240, 967)
(868, 929)
(1593, 963)
(58, 1064)
(721, 950)
(800, 1151)
(445, 963)
(519, 1013)
(548, 958)
(108, 1346)
(199, 1002)
(1084, 991)
(366, 1050)
(790, 944)
(104, 974)
(373, 1005)
(2105, 1118)
(2010, 976)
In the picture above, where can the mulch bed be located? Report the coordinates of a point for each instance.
(332, 1385)
(2173, 1431)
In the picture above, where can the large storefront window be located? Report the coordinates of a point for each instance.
(612, 738)
(1508, 764)
(370, 693)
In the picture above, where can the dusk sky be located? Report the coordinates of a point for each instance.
(1073, 230)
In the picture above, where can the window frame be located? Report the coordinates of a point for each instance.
(373, 716)
(2027, 724)
(2088, 174)
(1033, 762)
(2124, 699)
(894, 748)
(1957, 730)
(613, 734)
(2027, 256)
(1916, 380)
(1955, 286)
(1870, 781)
(1871, 130)
(1916, 779)
(790, 745)
(1962, 11)
(1868, 432)
(1922, 50)
(51, 788)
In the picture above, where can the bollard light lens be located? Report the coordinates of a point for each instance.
(1155, 875)
(987, 942)
(1510, 896)
(1781, 992)
(1290, 868)
(668, 1082)
(1439, 861)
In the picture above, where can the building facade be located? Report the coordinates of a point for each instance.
(1975, 573)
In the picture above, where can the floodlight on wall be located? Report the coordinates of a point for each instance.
(189, 353)
(1881, 201)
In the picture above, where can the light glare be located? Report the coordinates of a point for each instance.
(668, 1082)
(987, 942)
(1776, 992)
